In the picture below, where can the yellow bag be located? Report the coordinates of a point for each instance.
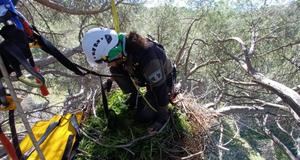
(57, 137)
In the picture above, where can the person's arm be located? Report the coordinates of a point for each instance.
(154, 74)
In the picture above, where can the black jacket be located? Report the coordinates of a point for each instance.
(150, 67)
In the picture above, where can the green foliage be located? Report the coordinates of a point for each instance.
(127, 129)
(280, 154)
(253, 137)
(240, 146)
(285, 139)
(251, 142)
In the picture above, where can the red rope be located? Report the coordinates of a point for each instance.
(8, 146)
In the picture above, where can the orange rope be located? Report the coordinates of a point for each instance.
(8, 146)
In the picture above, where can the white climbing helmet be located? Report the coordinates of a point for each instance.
(101, 44)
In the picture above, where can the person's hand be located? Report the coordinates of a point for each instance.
(107, 85)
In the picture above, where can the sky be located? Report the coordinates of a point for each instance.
(182, 3)
(155, 3)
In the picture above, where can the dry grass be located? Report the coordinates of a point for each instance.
(201, 120)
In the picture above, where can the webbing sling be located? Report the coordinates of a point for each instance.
(109, 117)
(14, 134)
(95, 73)
(69, 149)
(49, 48)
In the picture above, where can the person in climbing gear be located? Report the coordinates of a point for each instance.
(142, 62)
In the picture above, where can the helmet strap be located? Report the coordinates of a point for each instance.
(119, 49)
(122, 39)
(114, 52)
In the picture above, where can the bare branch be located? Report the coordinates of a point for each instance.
(277, 141)
(246, 64)
(284, 46)
(50, 60)
(57, 72)
(192, 155)
(189, 53)
(287, 94)
(237, 132)
(221, 142)
(73, 99)
(264, 109)
(239, 82)
(181, 51)
(293, 62)
(195, 68)
(253, 43)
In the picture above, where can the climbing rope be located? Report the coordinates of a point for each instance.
(20, 109)
(115, 16)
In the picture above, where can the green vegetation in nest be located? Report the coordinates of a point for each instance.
(130, 140)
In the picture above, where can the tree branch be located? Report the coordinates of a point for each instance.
(288, 95)
(239, 82)
(284, 46)
(195, 68)
(181, 51)
(277, 141)
(75, 11)
(50, 59)
(264, 109)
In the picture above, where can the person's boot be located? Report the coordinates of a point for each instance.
(145, 114)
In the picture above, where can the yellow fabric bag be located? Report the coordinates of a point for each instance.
(56, 137)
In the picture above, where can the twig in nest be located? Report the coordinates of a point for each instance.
(124, 146)
(192, 155)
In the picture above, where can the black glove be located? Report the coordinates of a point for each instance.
(107, 85)
(131, 101)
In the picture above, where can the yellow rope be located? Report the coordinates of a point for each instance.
(115, 16)
(137, 88)
(117, 28)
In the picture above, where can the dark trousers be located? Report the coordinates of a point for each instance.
(144, 113)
